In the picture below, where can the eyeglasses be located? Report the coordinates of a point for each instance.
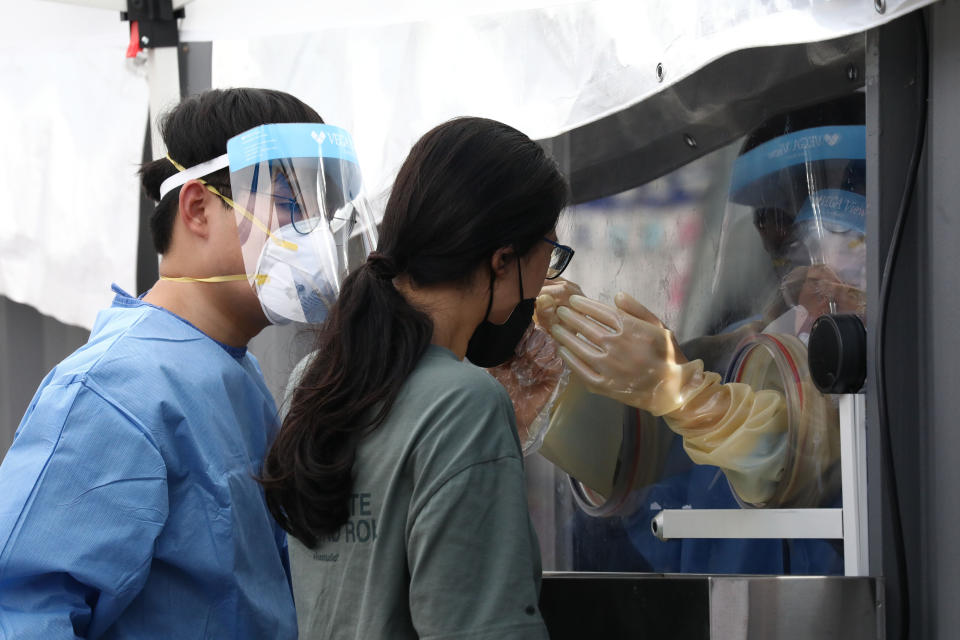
(289, 205)
(559, 259)
(289, 211)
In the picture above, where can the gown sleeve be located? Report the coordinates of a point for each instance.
(83, 499)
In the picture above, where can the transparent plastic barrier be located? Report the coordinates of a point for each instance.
(739, 265)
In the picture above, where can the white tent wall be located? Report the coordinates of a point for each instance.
(74, 112)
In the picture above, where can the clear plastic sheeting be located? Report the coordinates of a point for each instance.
(738, 252)
(533, 378)
(388, 73)
(75, 114)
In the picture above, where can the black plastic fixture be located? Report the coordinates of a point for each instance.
(837, 353)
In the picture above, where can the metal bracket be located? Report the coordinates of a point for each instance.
(853, 471)
(748, 523)
(848, 523)
(157, 21)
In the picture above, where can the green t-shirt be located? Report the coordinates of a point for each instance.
(439, 543)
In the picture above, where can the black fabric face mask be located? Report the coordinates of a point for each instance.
(493, 344)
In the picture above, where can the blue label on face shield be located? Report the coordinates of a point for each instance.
(801, 147)
(299, 140)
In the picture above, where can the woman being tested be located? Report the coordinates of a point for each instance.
(398, 466)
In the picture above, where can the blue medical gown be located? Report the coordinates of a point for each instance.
(128, 504)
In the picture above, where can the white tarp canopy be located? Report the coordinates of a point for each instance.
(74, 115)
(75, 108)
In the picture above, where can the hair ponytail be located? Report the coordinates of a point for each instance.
(467, 188)
(367, 347)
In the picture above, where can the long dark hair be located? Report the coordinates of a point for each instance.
(468, 187)
(197, 130)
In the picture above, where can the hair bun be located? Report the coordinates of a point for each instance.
(152, 175)
(383, 266)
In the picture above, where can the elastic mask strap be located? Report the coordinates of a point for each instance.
(493, 276)
(520, 277)
(192, 174)
(286, 244)
(259, 278)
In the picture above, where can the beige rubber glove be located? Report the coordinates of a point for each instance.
(740, 430)
(626, 353)
(554, 294)
(621, 355)
(533, 378)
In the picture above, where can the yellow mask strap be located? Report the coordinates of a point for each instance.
(259, 278)
(246, 214)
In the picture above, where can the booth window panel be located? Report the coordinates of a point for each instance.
(696, 260)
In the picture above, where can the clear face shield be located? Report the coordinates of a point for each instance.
(302, 218)
(805, 192)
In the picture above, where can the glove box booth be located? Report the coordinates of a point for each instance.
(637, 540)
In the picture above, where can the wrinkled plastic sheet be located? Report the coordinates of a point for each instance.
(390, 74)
(74, 113)
(387, 72)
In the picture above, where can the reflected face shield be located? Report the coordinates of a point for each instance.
(302, 218)
(830, 231)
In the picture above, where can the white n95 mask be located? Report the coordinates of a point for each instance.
(297, 278)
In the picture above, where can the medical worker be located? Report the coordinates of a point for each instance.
(129, 504)
(802, 177)
(398, 468)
